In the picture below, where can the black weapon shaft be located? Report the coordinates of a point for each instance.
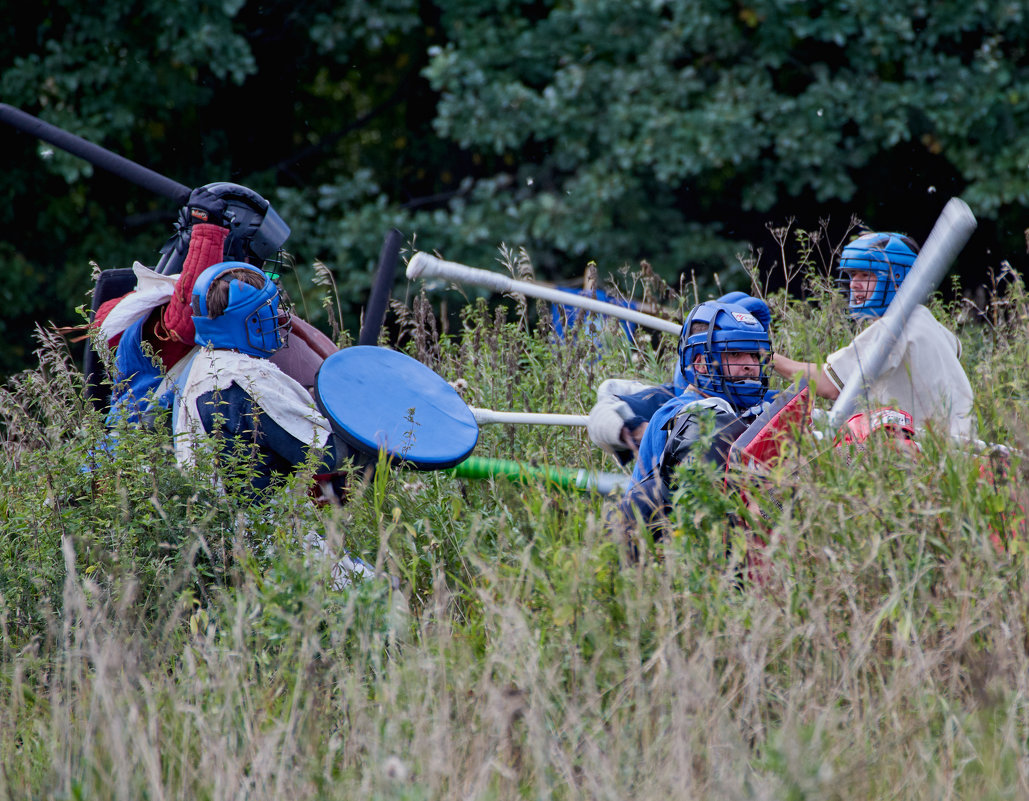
(375, 311)
(95, 155)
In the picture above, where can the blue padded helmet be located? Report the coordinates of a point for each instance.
(250, 322)
(719, 328)
(888, 257)
(755, 306)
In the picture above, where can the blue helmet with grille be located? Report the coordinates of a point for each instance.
(249, 321)
(714, 330)
(888, 258)
(756, 306)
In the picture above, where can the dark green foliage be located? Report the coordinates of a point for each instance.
(616, 130)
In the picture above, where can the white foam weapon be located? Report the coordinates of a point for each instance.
(424, 265)
(950, 233)
(486, 416)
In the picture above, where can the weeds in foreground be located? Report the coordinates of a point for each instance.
(162, 640)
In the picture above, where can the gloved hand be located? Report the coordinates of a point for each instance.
(204, 206)
(610, 414)
(604, 426)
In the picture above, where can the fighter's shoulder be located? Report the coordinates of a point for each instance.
(692, 402)
(922, 327)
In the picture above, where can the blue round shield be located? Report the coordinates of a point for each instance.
(379, 399)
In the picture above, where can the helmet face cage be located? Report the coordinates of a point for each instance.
(730, 330)
(276, 264)
(265, 334)
(888, 257)
(250, 323)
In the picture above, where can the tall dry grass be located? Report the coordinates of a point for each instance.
(163, 641)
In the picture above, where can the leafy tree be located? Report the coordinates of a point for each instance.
(261, 94)
(613, 130)
(639, 123)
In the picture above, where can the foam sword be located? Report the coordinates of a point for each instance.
(424, 265)
(95, 154)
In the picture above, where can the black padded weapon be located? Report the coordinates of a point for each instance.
(375, 311)
(95, 154)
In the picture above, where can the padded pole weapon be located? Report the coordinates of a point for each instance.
(424, 265)
(487, 416)
(568, 478)
(95, 155)
(375, 312)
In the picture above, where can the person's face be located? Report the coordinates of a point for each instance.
(862, 285)
(735, 364)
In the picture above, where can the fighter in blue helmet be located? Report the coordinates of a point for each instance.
(618, 420)
(871, 270)
(723, 357)
(220, 222)
(230, 396)
(923, 374)
(229, 387)
(247, 318)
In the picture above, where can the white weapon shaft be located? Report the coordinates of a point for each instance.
(424, 265)
(487, 416)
